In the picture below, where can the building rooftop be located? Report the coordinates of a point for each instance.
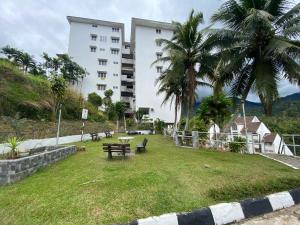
(149, 23)
(251, 127)
(240, 120)
(269, 138)
(97, 22)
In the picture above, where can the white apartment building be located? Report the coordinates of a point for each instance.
(124, 67)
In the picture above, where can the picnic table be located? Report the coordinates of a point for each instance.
(95, 137)
(125, 140)
(118, 148)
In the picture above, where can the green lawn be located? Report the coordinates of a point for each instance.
(87, 189)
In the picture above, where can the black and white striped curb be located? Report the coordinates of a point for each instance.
(226, 213)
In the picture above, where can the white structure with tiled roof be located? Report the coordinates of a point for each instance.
(260, 138)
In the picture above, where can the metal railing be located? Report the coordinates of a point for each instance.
(288, 144)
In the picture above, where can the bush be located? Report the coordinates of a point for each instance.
(144, 126)
(238, 144)
(197, 124)
(130, 123)
(95, 99)
(159, 126)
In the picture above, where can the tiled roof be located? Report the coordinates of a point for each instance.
(269, 138)
(240, 120)
(252, 127)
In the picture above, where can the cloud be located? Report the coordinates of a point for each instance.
(41, 26)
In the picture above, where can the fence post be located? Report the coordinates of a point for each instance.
(294, 145)
(176, 139)
(195, 139)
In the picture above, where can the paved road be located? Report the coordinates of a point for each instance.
(293, 161)
(290, 216)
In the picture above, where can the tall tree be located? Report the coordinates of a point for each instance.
(120, 108)
(260, 46)
(171, 84)
(187, 45)
(58, 87)
(63, 64)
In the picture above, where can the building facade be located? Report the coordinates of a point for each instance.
(124, 67)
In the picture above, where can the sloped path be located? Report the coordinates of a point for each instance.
(289, 216)
(290, 161)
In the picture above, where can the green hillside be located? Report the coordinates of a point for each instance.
(288, 106)
(31, 97)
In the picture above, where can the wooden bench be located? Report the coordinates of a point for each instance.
(117, 148)
(108, 134)
(142, 146)
(95, 137)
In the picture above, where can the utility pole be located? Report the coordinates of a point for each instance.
(58, 125)
(245, 123)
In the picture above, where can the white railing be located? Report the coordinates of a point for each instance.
(254, 143)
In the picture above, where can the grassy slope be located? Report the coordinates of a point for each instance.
(165, 179)
(15, 88)
(31, 96)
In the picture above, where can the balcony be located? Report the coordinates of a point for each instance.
(127, 83)
(127, 56)
(127, 72)
(126, 94)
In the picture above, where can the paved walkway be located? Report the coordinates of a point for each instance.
(290, 216)
(288, 160)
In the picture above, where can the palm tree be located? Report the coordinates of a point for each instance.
(216, 108)
(26, 61)
(259, 45)
(186, 44)
(171, 83)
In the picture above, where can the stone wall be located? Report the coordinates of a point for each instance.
(16, 169)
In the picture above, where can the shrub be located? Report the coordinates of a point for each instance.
(95, 99)
(145, 126)
(130, 123)
(197, 124)
(237, 145)
(13, 143)
(159, 126)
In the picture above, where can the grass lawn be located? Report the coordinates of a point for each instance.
(87, 189)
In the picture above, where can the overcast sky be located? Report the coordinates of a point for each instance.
(38, 26)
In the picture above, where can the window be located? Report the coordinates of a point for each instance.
(102, 49)
(158, 31)
(158, 55)
(115, 29)
(115, 75)
(94, 25)
(158, 43)
(159, 69)
(93, 48)
(102, 38)
(115, 51)
(102, 74)
(115, 87)
(127, 46)
(115, 62)
(115, 39)
(93, 37)
(102, 62)
(101, 87)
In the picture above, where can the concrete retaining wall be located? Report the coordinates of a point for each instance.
(35, 143)
(16, 169)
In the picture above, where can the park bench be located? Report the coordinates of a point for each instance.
(118, 148)
(142, 146)
(108, 134)
(95, 137)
